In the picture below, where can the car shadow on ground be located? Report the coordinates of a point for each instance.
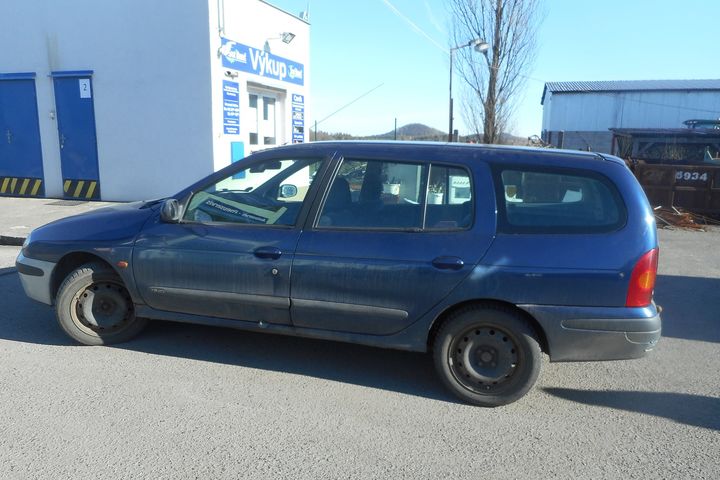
(24, 320)
(688, 409)
(690, 307)
(404, 372)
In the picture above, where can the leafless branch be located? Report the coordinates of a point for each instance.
(494, 81)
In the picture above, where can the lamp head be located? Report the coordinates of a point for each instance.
(480, 45)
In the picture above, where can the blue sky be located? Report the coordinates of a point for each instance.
(358, 45)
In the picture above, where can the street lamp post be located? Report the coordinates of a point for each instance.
(480, 46)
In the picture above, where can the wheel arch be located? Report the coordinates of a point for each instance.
(445, 314)
(70, 262)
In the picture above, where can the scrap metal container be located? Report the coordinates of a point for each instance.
(692, 187)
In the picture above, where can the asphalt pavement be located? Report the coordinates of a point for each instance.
(184, 401)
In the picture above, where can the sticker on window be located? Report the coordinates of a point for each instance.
(236, 212)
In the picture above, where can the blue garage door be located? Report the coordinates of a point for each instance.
(76, 132)
(21, 168)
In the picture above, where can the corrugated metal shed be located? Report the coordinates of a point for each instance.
(629, 86)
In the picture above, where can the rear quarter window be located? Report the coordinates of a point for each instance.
(537, 200)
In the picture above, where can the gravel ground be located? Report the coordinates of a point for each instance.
(185, 401)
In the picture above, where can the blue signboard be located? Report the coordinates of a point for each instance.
(231, 108)
(298, 117)
(248, 59)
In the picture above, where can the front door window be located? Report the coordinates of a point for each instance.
(268, 193)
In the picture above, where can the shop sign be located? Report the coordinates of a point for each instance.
(231, 108)
(298, 117)
(248, 59)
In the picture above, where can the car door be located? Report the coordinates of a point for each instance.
(231, 254)
(378, 255)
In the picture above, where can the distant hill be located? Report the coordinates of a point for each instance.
(412, 131)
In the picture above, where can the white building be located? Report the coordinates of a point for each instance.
(577, 115)
(137, 99)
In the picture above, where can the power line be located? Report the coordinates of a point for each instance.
(414, 26)
(420, 31)
(348, 104)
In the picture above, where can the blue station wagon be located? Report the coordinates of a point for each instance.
(487, 257)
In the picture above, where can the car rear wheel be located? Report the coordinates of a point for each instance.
(94, 307)
(487, 355)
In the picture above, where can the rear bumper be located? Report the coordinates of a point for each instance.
(588, 333)
(35, 277)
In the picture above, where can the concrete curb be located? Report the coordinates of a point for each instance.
(11, 241)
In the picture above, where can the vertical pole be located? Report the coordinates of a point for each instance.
(316, 130)
(450, 129)
(395, 128)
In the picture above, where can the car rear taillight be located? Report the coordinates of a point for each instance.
(642, 280)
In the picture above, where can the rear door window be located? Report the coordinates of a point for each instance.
(378, 194)
(375, 194)
(558, 201)
(449, 199)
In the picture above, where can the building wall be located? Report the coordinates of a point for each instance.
(585, 118)
(258, 25)
(597, 111)
(151, 81)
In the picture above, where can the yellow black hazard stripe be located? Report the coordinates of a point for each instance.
(22, 187)
(83, 189)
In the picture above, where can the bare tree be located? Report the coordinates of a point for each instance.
(493, 80)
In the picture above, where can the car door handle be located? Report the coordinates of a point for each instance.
(268, 252)
(448, 263)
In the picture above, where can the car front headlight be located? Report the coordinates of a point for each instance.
(25, 244)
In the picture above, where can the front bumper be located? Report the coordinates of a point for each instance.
(588, 333)
(35, 276)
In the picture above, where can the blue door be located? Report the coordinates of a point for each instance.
(76, 132)
(21, 169)
(378, 258)
(232, 254)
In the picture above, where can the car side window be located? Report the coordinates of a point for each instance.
(537, 201)
(267, 193)
(376, 194)
(449, 199)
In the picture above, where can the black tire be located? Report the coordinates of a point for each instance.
(94, 307)
(487, 355)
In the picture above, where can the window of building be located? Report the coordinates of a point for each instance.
(263, 119)
(253, 125)
(269, 125)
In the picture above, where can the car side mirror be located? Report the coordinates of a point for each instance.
(288, 191)
(170, 211)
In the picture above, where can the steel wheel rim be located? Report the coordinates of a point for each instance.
(102, 307)
(484, 358)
